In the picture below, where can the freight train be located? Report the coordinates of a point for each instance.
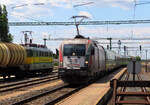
(82, 59)
(24, 60)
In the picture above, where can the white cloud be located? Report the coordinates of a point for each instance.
(85, 13)
(43, 10)
(124, 4)
(115, 32)
(70, 3)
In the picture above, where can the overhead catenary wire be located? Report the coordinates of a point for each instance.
(29, 18)
(83, 4)
(26, 17)
(144, 2)
(22, 5)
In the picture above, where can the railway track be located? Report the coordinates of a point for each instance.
(14, 79)
(25, 83)
(44, 96)
(50, 97)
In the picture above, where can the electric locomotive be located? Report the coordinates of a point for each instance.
(82, 59)
(25, 59)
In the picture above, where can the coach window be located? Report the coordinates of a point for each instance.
(40, 53)
(45, 53)
(95, 44)
(92, 51)
(37, 53)
(50, 54)
(29, 53)
(34, 53)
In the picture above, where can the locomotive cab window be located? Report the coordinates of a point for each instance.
(74, 50)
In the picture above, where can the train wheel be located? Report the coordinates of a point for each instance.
(4, 76)
(9, 76)
(20, 74)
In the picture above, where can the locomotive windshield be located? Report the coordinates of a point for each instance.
(74, 50)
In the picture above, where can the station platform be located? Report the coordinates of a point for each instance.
(96, 93)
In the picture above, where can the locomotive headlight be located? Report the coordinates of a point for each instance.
(86, 62)
(61, 63)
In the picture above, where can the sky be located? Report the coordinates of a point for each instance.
(63, 10)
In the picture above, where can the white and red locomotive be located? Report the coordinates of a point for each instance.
(82, 59)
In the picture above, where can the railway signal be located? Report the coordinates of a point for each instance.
(140, 48)
(110, 42)
(26, 37)
(119, 46)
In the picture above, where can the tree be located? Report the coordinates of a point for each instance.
(138, 58)
(5, 36)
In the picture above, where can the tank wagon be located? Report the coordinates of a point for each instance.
(23, 60)
(82, 59)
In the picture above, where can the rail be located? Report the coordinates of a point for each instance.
(12, 86)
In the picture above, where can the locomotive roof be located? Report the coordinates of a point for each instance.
(76, 41)
(37, 49)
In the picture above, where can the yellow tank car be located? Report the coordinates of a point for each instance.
(4, 55)
(17, 54)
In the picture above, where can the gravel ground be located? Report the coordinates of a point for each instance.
(43, 100)
(26, 92)
(25, 88)
(14, 80)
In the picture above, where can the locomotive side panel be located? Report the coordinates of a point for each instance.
(38, 59)
(102, 60)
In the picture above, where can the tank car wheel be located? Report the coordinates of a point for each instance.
(50, 70)
(4, 76)
(19, 75)
(9, 76)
